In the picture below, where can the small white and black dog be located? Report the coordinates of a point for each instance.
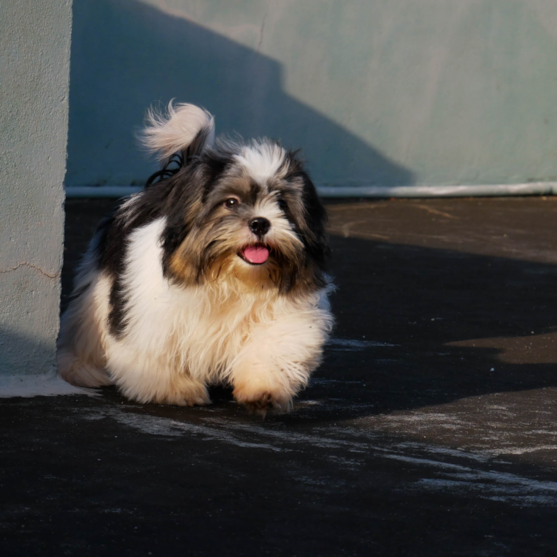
(214, 274)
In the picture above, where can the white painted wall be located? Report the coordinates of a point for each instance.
(376, 92)
(34, 69)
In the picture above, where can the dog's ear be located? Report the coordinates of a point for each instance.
(185, 128)
(182, 209)
(311, 225)
(315, 236)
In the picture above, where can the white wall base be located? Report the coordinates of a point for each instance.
(38, 385)
(534, 188)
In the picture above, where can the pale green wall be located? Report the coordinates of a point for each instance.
(375, 91)
(34, 70)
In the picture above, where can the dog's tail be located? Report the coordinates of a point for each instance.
(185, 129)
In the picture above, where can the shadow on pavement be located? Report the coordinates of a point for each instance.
(404, 444)
(411, 327)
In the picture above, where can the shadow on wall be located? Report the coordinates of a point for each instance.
(38, 355)
(127, 55)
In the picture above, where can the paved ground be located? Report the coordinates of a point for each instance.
(430, 430)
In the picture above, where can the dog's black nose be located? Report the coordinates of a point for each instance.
(259, 226)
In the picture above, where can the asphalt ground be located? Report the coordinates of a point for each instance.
(429, 430)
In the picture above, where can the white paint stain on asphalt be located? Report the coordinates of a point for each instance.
(352, 345)
(439, 468)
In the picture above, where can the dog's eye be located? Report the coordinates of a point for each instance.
(231, 202)
(282, 204)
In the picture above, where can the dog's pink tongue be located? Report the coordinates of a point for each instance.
(256, 254)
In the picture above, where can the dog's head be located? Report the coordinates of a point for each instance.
(245, 213)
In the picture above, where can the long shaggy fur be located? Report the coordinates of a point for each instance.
(214, 274)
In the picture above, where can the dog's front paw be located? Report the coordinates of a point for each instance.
(260, 401)
(184, 393)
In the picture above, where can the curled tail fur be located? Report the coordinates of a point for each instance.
(185, 128)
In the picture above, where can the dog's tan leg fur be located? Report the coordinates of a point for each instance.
(275, 364)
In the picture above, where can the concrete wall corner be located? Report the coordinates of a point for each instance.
(35, 37)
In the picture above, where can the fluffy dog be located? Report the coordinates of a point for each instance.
(214, 274)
